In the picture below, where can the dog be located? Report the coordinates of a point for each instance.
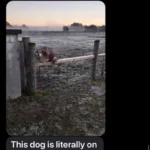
(47, 55)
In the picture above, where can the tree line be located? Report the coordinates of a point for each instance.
(9, 25)
(92, 28)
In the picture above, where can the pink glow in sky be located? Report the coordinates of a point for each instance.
(55, 13)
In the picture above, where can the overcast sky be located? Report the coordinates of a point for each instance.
(55, 13)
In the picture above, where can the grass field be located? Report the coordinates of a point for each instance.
(70, 105)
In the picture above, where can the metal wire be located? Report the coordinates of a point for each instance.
(68, 73)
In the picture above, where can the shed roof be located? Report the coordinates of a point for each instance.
(13, 31)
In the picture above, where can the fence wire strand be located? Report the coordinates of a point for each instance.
(67, 73)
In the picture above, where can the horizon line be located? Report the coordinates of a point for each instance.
(53, 25)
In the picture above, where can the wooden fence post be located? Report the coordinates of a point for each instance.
(26, 41)
(95, 53)
(22, 66)
(31, 69)
(102, 69)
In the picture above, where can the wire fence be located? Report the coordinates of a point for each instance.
(67, 74)
(62, 33)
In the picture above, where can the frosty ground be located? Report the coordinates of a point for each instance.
(67, 102)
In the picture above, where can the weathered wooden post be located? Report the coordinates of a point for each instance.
(31, 69)
(22, 66)
(102, 69)
(25, 41)
(95, 53)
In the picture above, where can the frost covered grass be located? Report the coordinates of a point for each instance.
(70, 105)
(71, 42)
(59, 112)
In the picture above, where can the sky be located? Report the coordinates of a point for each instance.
(55, 13)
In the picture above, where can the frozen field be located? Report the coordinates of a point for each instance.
(69, 103)
(64, 42)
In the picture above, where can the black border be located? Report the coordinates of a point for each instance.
(3, 75)
(108, 79)
(120, 131)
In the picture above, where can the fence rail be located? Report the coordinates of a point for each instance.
(62, 33)
(69, 60)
